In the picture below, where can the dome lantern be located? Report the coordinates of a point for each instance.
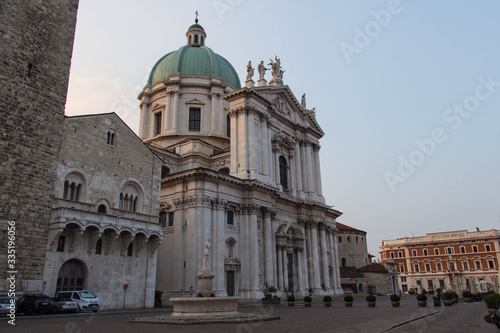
(196, 34)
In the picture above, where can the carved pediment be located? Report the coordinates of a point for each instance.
(157, 107)
(281, 105)
(195, 101)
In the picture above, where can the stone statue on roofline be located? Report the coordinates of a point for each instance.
(276, 71)
(303, 101)
(250, 71)
(261, 68)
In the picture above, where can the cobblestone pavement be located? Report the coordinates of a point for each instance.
(461, 317)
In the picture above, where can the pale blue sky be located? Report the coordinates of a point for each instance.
(398, 86)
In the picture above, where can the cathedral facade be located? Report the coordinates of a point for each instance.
(240, 169)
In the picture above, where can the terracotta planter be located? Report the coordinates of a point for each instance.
(448, 302)
(422, 303)
(291, 303)
(371, 304)
(348, 304)
(307, 304)
(492, 311)
(469, 299)
(395, 304)
(327, 304)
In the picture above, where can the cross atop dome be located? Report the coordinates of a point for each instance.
(196, 34)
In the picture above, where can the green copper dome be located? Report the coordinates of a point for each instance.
(194, 60)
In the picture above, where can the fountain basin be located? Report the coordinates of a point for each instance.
(220, 307)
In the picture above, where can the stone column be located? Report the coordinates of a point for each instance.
(254, 251)
(315, 257)
(268, 252)
(145, 115)
(279, 251)
(298, 245)
(332, 258)
(336, 271)
(213, 114)
(308, 254)
(175, 114)
(285, 268)
(244, 252)
(219, 241)
(310, 170)
(298, 169)
(277, 166)
(319, 190)
(250, 138)
(264, 145)
(324, 258)
(303, 166)
(233, 118)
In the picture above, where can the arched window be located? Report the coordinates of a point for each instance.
(189, 40)
(196, 38)
(102, 209)
(73, 187)
(110, 138)
(98, 247)
(130, 250)
(131, 197)
(283, 172)
(201, 40)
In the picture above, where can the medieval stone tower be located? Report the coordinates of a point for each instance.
(35, 52)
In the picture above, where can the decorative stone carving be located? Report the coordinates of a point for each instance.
(250, 71)
(261, 68)
(232, 264)
(280, 105)
(276, 72)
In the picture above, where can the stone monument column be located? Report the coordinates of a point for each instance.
(324, 257)
(315, 257)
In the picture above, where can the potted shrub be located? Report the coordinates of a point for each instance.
(492, 301)
(395, 300)
(291, 300)
(467, 295)
(348, 300)
(448, 298)
(270, 297)
(370, 300)
(307, 301)
(422, 300)
(327, 300)
(411, 291)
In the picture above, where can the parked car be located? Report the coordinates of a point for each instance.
(85, 299)
(64, 305)
(5, 303)
(29, 304)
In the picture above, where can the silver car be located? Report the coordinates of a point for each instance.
(4, 305)
(64, 305)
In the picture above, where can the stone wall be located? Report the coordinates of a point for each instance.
(37, 44)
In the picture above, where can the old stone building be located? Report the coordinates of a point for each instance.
(36, 49)
(241, 168)
(453, 260)
(104, 229)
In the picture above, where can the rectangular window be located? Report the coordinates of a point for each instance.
(462, 249)
(465, 265)
(392, 255)
(60, 243)
(417, 268)
(451, 266)
(228, 127)
(441, 284)
(428, 267)
(130, 250)
(478, 264)
(449, 250)
(436, 252)
(474, 248)
(170, 219)
(158, 123)
(491, 263)
(163, 219)
(425, 252)
(438, 266)
(230, 217)
(400, 254)
(419, 283)
(430, 284)
(402, 268)
(403, 279)
(194, 119)
(487, 248)
(414, 253)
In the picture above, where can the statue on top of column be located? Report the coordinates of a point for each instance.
(206, 253)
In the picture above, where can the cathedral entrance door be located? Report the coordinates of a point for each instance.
(290, 271)
(71, 276)
(230, 283)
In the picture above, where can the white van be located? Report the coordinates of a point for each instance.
(86, 300)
